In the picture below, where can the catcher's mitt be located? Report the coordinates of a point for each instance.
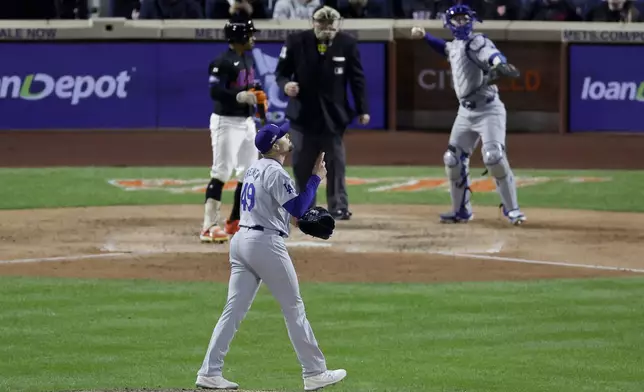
(317, 222)
(503, 70)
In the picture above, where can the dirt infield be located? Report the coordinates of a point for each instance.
(382, 243)
(183, 148)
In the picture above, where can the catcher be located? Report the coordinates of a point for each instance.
(476, 65)
(258, 253)
(237, 97)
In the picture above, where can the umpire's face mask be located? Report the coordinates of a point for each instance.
(326, 23)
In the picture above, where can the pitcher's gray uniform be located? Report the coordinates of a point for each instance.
(481, 116)
(258, 253)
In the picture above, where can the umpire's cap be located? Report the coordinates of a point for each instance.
(268, 135)
(239, 30)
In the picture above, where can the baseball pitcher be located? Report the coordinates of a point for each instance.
(258, 253)
(476, 65)
(236, 99)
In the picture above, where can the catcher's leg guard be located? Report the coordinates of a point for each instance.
(457, 170)
(496, 162)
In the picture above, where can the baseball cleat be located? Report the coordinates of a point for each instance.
(213, 235)
(215, 382)
(231, 227)
(342, 214)
(516, 217)
(456, 217)
(325, 379)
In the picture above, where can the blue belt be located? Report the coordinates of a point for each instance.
(261, 228)
(471, 105)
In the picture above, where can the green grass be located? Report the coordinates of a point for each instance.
(71, 187)
(558, 335)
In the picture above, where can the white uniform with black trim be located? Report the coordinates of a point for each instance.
(233, 146)
(232, 128)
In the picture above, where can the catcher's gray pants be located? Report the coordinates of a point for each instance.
(306, 148)
(257, 256)
(486, 124)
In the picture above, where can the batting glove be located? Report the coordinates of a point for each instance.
(246, 97)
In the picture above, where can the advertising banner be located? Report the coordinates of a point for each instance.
(606, 88)
(139, 85)
(79, 85)
(426, 97)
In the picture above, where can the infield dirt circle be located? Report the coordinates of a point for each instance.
(380, 243)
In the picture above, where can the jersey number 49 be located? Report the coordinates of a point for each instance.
(248, 197)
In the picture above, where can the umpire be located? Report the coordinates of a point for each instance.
(314, 69)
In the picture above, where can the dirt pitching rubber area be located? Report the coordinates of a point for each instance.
(380, 244)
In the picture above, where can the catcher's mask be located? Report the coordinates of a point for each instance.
(326, 22)
(268, 135)
(460, 20)
(239, 31)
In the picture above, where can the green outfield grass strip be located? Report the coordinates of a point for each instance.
(100, 186)
(557, 335)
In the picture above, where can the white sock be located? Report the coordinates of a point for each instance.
(211, 213)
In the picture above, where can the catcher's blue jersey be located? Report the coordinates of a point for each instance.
(266, 188)
(470, 62)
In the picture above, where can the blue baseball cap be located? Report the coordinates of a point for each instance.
(268, 135)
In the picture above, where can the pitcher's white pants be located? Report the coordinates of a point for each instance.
(257, 256)
(233, 146)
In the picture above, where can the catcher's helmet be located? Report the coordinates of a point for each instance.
(460, 19)
(239, 31)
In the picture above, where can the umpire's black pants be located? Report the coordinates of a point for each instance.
(306, 149)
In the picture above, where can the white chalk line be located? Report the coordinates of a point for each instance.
(540, 262)
(123, 254)
(65, 258)
(442, 253)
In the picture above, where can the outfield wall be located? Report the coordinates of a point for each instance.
(114, 73)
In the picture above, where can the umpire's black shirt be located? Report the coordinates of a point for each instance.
(322, 105)
(231, 73)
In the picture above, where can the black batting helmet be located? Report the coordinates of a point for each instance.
(239, 31)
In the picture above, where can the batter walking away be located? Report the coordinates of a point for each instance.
(232, 129)
(258, 253)
(315, 68)
(476, 64)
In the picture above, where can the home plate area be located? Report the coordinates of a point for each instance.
(367, 232)
(381, 243)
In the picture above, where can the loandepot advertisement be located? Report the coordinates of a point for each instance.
(74, 88)
(140, 85)
(606, 88)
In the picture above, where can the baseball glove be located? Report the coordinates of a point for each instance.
(503, 70)
(317, 222)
